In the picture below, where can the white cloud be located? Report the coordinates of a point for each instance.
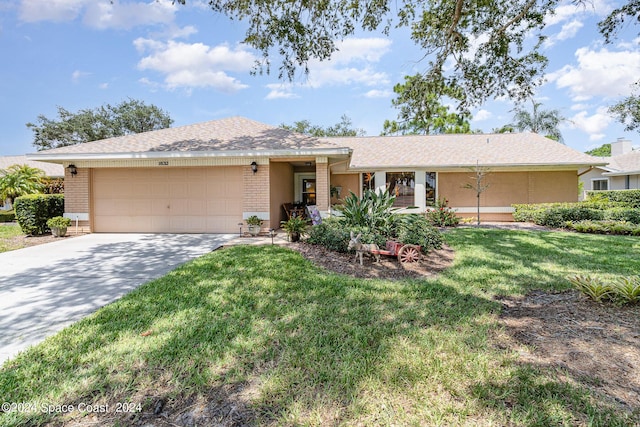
(281, 91)
(598, 73)
(377, 93)
(52, 10)
(77, 75)
(482, 115)
(353, 64)
(187, 65)
(568, 31)
(569, 10)
(593, 124)
(103, 86)
(101, 14)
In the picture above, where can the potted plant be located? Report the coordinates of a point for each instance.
(254, 224)
(294, 227)
(58, 225)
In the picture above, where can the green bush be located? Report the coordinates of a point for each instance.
(628, 198)
(33, 211)
(604, 227)
(415, 229)
(331, 234)
(624, 290)
(373, 211)
(557, 214)
(442, 215)
(58, 222)
(631, 215)
(7, 216)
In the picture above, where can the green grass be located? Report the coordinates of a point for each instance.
(316, 348)
(7, 231)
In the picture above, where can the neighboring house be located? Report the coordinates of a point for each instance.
(621, 172)
(209, 177)
(51, 170)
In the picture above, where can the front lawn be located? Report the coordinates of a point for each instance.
(259, 335)
(8, 237)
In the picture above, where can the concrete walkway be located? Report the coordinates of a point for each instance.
(47, 287)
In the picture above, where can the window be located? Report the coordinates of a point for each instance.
(600, 184)
(430, 188)
(402, 186)
(368, 181)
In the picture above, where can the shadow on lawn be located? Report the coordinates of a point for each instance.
(253, 334)
(235, 317)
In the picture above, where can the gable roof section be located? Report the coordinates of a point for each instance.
(624, 164)
(230, 136)
(50, 169)
(462, 151)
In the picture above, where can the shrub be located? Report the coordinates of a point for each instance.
(373, 211)
(592, 287)
(625, 290)
(628, 198)
(442, 215)
(7, 216)
(58, 222)
(623, 214)
(556, 214)
(33, 211)
(331, 234)
(604, 227)
(415, 229)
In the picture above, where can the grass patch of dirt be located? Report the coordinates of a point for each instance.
(592, 344)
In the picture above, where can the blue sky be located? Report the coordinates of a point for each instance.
(187, 60)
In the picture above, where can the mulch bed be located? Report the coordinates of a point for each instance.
(388, 267)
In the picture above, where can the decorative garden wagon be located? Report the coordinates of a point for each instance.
(405, 253)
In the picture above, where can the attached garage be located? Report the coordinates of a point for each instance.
(167, 200)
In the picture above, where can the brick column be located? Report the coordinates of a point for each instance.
(77, 197)
(256, 193)
(322, 184)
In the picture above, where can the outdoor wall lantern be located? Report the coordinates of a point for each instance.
(254, 167)
(72, 170)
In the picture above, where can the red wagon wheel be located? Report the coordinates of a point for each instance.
(409, 253)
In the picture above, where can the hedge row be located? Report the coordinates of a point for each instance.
(557, 214)
(33, 211)
(630, 198)
(7, 216)
(605, 227)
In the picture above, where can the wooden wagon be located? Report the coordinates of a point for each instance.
(404, 253)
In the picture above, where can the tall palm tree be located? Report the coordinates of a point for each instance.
(544, 122)
(20, 180)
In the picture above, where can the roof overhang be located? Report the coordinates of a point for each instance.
(622, 173)
(516, 167)
(162, 155)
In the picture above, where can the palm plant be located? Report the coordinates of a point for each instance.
(544, 122)
(20, 180)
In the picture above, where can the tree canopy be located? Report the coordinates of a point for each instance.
(422, 111)
(20, 180)
(543, 122)
(627, 112)
(603, 151)
(488, 49)
(343, 128)
(107, 121)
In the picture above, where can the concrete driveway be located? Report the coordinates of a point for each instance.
(47, 287)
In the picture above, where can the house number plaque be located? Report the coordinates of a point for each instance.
(163, 163)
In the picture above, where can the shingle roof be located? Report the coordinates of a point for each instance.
(624, 163)
(50, 169)
(509, 149)
(230, 134)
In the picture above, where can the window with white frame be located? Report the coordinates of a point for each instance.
(600, 184)
(368, 181)
(430, 188)
(402, 185)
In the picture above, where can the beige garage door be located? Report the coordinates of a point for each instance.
(167, 200)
